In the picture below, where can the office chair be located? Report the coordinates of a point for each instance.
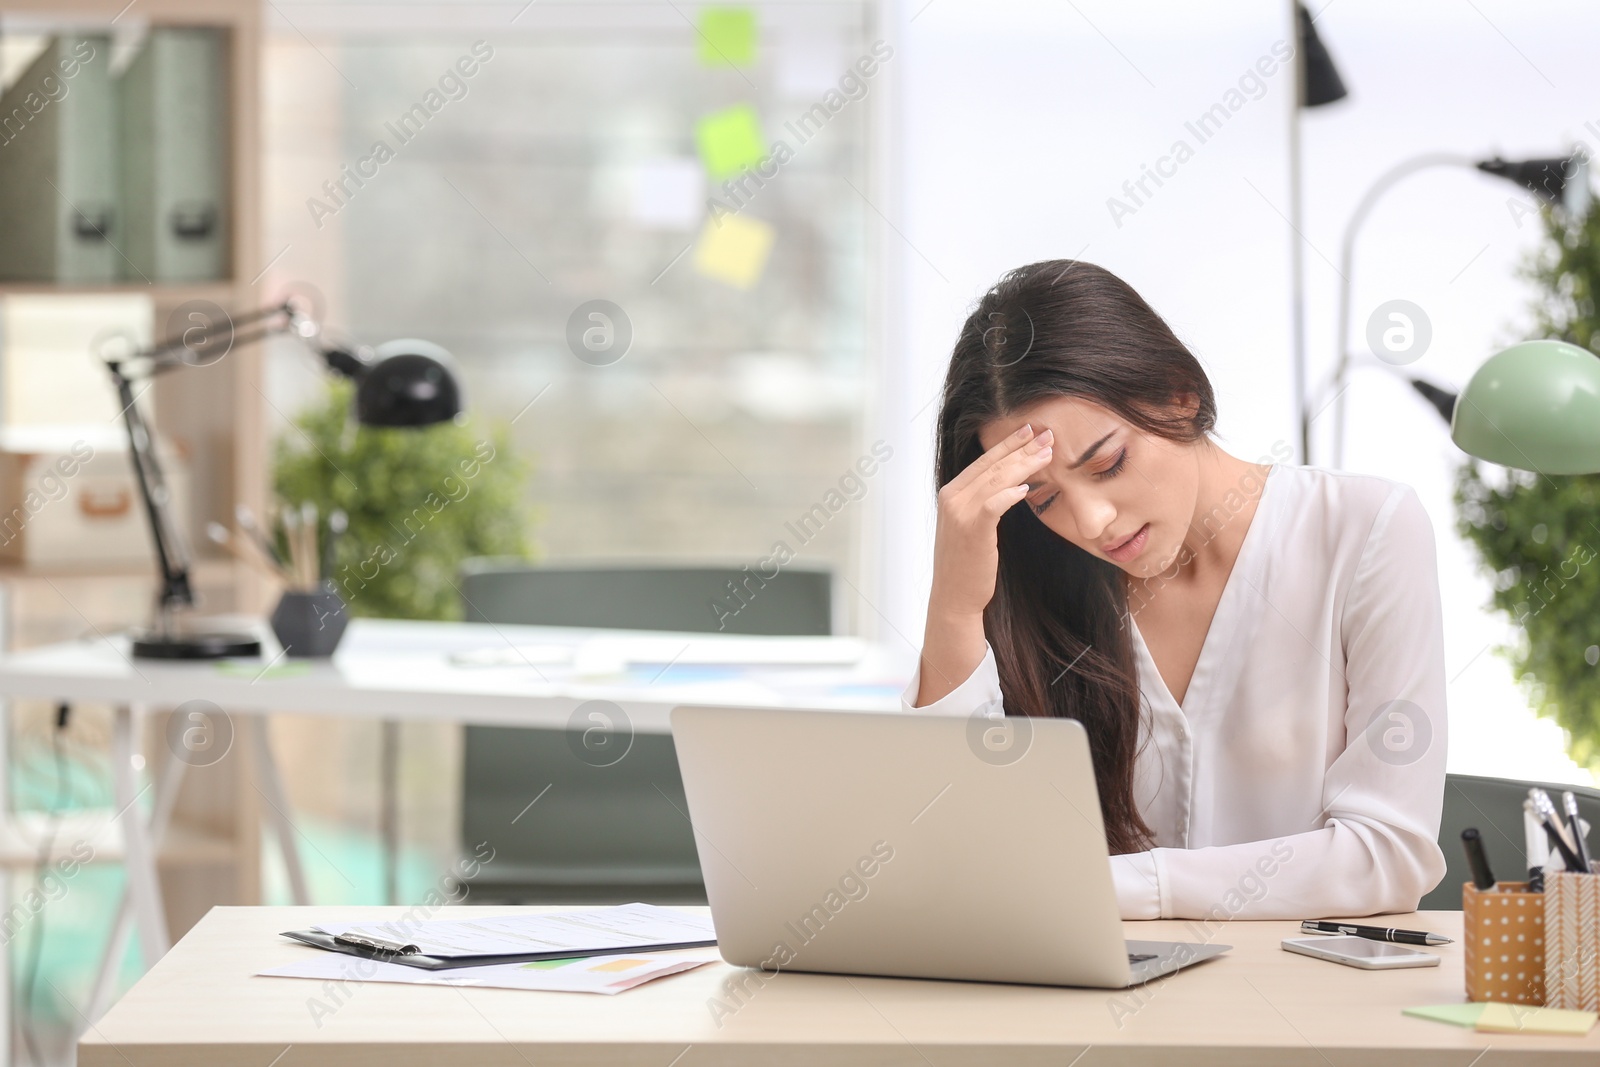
(602, 834)
(1494, 806)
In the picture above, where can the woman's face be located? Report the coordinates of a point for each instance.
(1112, 489)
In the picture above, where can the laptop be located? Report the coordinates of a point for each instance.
(912, 846)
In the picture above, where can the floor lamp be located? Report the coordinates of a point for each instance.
(1556, 181)
(1317, 84)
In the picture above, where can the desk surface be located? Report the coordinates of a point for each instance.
(399, 669)
(203, 1005)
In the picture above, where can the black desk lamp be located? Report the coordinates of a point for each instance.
(401, 384)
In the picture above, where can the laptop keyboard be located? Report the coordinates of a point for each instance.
(1140, 957)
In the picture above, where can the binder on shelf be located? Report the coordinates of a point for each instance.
(171, 101)
(58, 169)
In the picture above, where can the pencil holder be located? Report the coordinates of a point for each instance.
(1504, 952)
(1572, 940)
(310, 623)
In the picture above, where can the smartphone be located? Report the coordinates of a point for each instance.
(1360, 952)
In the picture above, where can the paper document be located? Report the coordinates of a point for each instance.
(625, 927)
(513, 656)
(743, 651)
(591, 974)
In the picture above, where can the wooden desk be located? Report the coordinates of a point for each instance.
(202, 1006)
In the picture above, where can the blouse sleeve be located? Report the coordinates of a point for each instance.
(1376, 849)
(980, 690)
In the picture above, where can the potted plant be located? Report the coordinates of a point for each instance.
(418, 501)
(1539, 535)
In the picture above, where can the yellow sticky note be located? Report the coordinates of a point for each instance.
(734, 249)
(727, 36)
(730, 140)
(1502, 1018)
(620, 965)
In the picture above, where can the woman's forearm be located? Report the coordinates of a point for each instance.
(953, 645)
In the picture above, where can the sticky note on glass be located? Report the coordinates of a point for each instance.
(1499, 1018)
(734, 249)
(809, 65)
(729, 141)
(727, 36)
(667, 194)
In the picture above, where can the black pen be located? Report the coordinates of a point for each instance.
(1472, 841)
(1575, 824)
(1374, 933)
(1554, 828)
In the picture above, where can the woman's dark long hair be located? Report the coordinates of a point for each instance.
(1057, 622)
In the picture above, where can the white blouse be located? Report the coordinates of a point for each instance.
(1303, 774)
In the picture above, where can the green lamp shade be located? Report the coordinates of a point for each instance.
(1534, 406)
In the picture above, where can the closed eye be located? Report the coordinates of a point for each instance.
(1039, 508)
(1116, 468)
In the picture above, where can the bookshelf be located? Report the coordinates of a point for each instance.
(214, 413)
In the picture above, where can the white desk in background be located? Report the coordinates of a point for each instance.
(457, 672)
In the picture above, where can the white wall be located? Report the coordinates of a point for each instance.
(1014, 121)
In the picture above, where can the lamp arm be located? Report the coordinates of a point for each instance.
(1386, 181)
(176, 592)
(162, 356)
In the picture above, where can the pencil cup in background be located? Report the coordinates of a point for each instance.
(310, 622)
(1572, 931)
(310, 617)
(1504, 933)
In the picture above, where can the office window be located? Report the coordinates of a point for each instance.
(563, 169)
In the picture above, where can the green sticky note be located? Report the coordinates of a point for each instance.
(252, 669)
(730, 140)
(550, 965)
(1455, 1014)
(727, 36)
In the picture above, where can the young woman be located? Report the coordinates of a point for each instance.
(1255, 650)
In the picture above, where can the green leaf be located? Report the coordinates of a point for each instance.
(420, 502)
(1537, 537)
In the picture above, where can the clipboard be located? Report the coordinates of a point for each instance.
(395, 954)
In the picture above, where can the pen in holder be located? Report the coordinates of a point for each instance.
(1504, 952)
(310, 617)
(1572, 933)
